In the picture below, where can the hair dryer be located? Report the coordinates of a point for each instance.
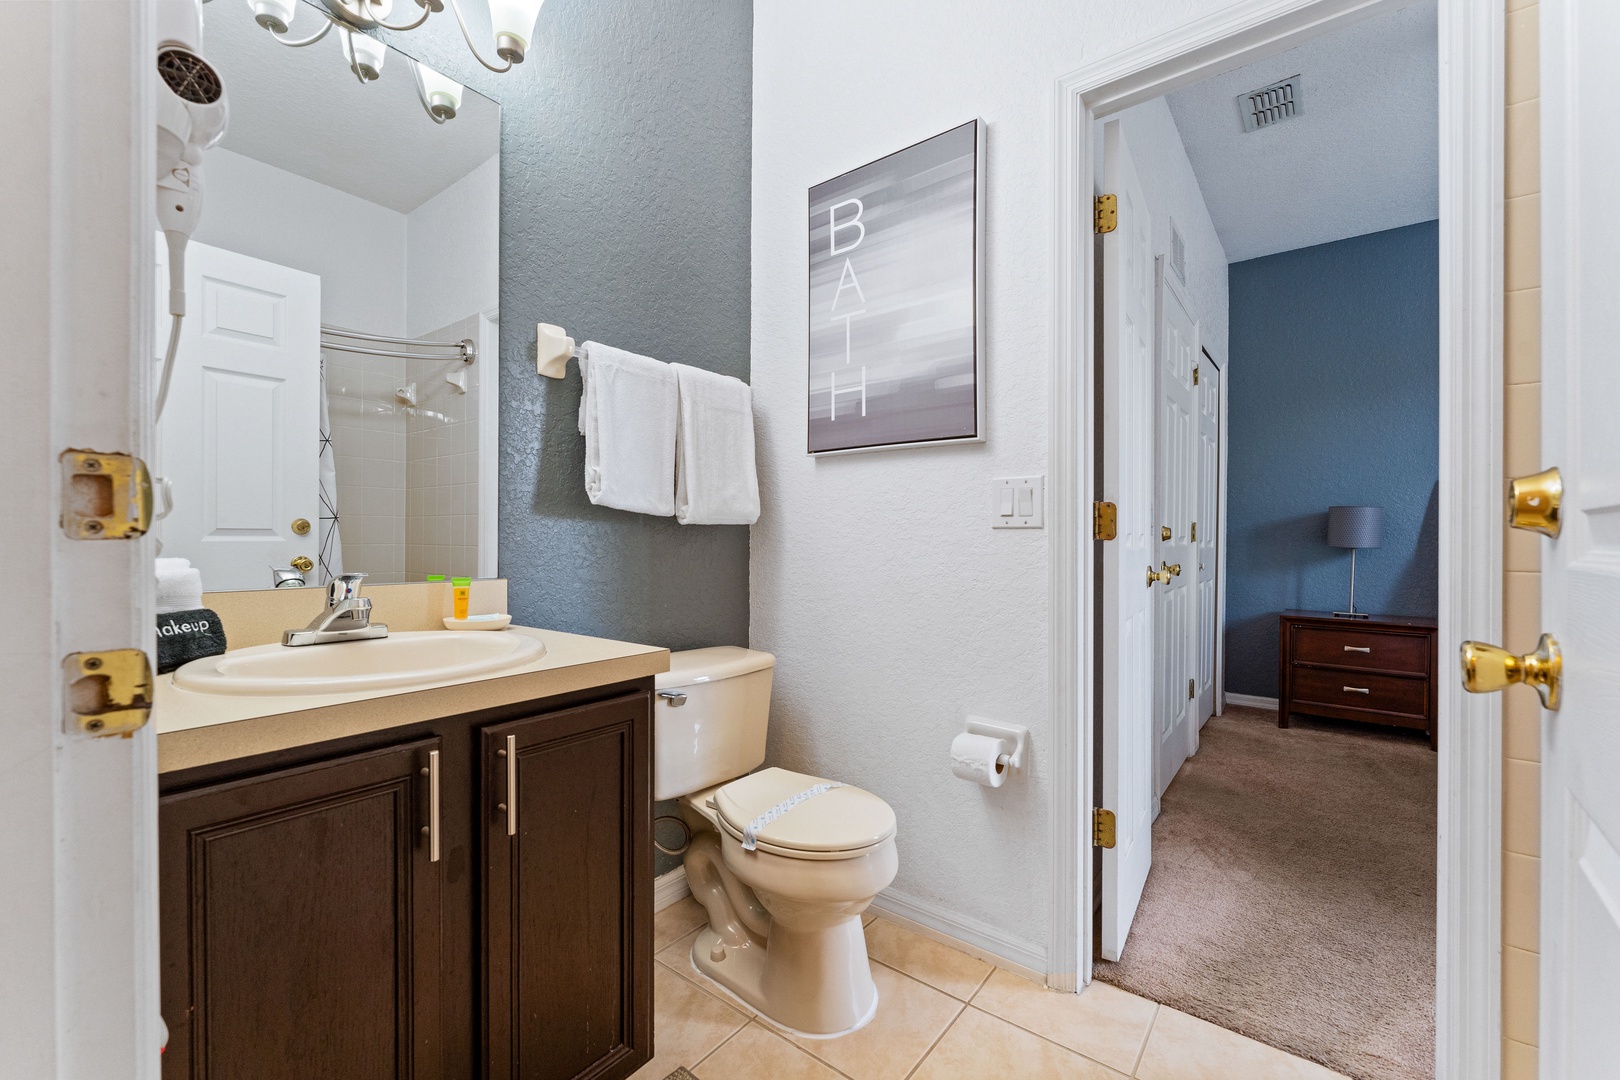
(191, 116)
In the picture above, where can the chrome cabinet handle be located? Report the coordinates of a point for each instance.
(1358, 648)
(511, 785)
(433, 806)
(675, 698)
(1357, 690)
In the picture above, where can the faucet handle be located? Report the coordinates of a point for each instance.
(343, 587)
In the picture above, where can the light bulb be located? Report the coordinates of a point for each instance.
(441, 95)
(364, 53)
(513, 22)
(274, 15)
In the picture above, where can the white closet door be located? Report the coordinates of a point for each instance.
(240, 433)
(1211, 384)
(1580, 795)
(1126, 752)
(1175, 604)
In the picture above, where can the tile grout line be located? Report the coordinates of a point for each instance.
(1142, 1052)
(721, 1043)
(938, 1038)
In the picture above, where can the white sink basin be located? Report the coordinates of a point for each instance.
(410, 658)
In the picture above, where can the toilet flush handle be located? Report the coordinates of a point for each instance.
(675, 698)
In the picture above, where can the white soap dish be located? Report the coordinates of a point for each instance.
(478, 622)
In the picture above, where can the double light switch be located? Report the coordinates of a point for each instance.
(1018, 502)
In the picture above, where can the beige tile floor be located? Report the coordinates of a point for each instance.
(942, 1015)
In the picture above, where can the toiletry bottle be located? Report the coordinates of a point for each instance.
(433, 577)
(463, 593)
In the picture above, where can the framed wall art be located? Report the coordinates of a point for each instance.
(896, 299)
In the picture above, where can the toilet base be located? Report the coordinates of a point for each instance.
(744, 971)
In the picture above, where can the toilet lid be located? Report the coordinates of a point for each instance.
(843, 821)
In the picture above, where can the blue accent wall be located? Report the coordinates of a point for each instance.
(1333, 398)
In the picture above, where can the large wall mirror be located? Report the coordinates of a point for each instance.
(324, 415)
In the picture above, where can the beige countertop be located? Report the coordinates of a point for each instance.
(199, 729)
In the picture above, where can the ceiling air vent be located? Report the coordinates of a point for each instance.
(1270, 104)
(1178, 252)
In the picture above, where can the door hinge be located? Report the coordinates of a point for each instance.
(1104, 521)
(1105, 216)
(1195, 376)
(1102, 828)
(108, 692)
(1194, 534)
(1190, 692)
(105, 496)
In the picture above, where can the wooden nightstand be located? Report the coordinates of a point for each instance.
(1379, 670)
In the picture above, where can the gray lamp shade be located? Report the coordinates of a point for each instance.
(1356, 526)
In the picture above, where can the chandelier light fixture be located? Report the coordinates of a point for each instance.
(511, 20)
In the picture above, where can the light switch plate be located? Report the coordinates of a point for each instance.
(1028, 493)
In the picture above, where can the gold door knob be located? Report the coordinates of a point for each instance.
(301, 526)
(1161, 576)
(303, 564)
(1488, 668)
(1164, 532)
(1533, 502)
(1174, 568)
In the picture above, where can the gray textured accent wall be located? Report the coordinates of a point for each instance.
(625, 187)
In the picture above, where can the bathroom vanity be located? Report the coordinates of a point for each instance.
(451, 881)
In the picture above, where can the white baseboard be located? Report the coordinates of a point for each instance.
(966, 934)
(670, 888)
(1251, 700)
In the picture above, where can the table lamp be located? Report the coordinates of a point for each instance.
(1355, 527)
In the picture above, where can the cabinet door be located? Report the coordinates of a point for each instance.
(300, 923)
(568, 887)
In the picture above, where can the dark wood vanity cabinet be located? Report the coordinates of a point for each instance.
(309, 934)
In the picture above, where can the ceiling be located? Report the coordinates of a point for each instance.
(303, 110)
(1362, 156)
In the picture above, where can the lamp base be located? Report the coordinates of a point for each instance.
(1351, 615)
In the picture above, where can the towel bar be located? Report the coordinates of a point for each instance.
(553, 348)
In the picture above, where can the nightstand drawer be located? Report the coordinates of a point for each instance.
(1360, 690)
(1361, 649)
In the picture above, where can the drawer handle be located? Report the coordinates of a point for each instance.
(1357, 690)
(1358, 648)
(433, 805)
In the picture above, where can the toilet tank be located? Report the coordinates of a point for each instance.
(718, 732)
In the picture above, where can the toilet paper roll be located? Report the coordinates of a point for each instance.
(973, 757)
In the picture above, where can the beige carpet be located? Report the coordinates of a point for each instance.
(1292, 895)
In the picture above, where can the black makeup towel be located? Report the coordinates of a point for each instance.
(183, 636)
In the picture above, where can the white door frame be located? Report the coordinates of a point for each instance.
(1221, 433)
(78, 893)
(1468, 1021)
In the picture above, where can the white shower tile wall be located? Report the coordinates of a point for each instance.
(441, 463)
(369, 441)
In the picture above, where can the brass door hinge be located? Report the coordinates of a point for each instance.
(105, 496)
(1190, 692)
(107, 693)
(1102, 828)
(1194, 535)
(1105, 216)
(1104, 521)
(1195, 376)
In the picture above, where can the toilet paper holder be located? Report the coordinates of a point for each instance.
(1012, 736)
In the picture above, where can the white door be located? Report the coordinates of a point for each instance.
(1175, 603)
(1126, 752)
(239, 438)
(1207, 391)
(1580, 783)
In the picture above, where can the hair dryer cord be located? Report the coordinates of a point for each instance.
(168, 368)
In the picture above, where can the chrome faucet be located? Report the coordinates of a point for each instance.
(347, 616)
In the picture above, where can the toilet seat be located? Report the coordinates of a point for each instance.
(841, 823)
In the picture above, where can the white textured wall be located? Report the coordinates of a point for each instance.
(1172, 191)
(453, 252)
(893, 608)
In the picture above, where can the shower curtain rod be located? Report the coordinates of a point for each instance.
(465, 350)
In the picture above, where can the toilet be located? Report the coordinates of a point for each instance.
(783, 862)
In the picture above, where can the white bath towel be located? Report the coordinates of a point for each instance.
(627, 415)
(715, 479)
(179, 585)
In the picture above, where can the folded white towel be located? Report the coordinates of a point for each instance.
(715, 479)
(627, 415)
(179, 585)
